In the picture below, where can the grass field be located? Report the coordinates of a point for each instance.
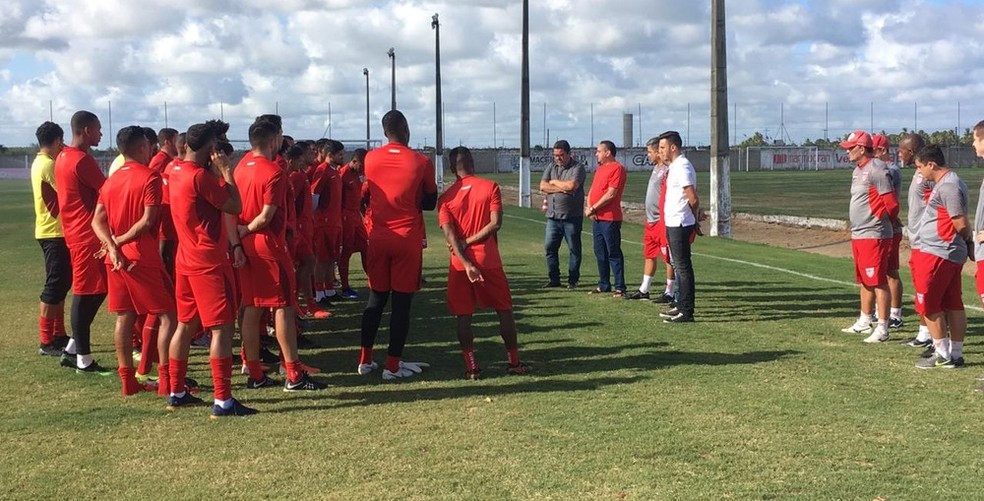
(762, 398)
(794, 193)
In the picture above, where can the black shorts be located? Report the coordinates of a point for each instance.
(58, 270)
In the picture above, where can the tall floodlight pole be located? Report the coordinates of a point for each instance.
(720, 175)
(524, 126)
(392, 55)
(365, 71)
(439, 103)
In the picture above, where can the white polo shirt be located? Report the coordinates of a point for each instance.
(676, 209)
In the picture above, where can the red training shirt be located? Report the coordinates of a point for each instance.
(468, 205)
(351, 190)
(302, 202)
(196, 196)
(160, 161)
(125, 195)
(608, 175)
(396, 180)
(262, 182)
(78, 178)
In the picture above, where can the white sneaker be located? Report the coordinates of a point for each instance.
(859, 327)
(401, 373)
(879, 335)
(366, 368)
(416, 367)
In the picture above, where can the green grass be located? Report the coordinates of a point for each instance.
(796, 193)
(763, 398)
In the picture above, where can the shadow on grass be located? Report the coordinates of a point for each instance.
(548, 376)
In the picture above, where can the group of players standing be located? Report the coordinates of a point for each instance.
(181, 241)
(941, 239)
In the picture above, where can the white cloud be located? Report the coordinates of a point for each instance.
(243, 58)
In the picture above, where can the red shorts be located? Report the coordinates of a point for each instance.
(871, 260)
(211, 296)
(327, 243)
(354, 236)
(394, 264)
(893, 254)
(301, 247)
(654, 242)
(979, 280)
(913, 260)
(492, 292)
(88, 272)
(267, 283)
(938, 284)
(141, 289)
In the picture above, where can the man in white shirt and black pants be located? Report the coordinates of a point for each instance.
(680, 214)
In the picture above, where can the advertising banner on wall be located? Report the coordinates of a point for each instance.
(634, 159)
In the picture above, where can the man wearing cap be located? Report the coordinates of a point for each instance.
(873, 207)
(880, 145)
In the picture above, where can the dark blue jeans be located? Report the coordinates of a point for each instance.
(608, 252)
(679, 238)
(568, 230)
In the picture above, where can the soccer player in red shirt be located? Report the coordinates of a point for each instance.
(267, 278)
(353, 230)
(399, 183)
(204, 203)
(470, 213)
(126, 223)
(79, 179)
(327, 190)
(304, 232)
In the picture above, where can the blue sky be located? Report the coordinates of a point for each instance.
(239, 59)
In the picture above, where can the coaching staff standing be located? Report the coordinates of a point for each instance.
(680, 214)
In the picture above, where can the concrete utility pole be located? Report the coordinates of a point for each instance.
(524, 141)
(365, 71)
(720, 175)
(439, 146)
(392, 55)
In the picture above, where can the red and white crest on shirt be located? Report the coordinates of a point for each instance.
(870, 272)
(921, 298)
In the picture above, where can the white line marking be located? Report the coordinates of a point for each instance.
(749, 263)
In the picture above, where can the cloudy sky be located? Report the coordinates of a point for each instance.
(833, 64)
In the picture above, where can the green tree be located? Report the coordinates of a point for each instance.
(756, 139)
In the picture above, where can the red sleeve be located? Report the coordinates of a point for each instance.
(443, 213)
(208, 187)
(275, 190)
(152, 191)
(495, 199)
(89, 173)
(883, 204)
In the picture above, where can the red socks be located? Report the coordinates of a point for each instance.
(177, 369)
(392, 363)
(149, 345)
(513, 355)
(46, 328)
(163, 380)
(470, 364)
(130, 384)
(365, 357)
(294, 370)
(222, 377)
(255, 370)
(59, 324)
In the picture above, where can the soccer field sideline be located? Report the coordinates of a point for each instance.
(749, 263)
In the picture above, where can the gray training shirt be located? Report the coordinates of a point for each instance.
(868, 183)
(937, 236)
(919, 189)
(654, 192)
